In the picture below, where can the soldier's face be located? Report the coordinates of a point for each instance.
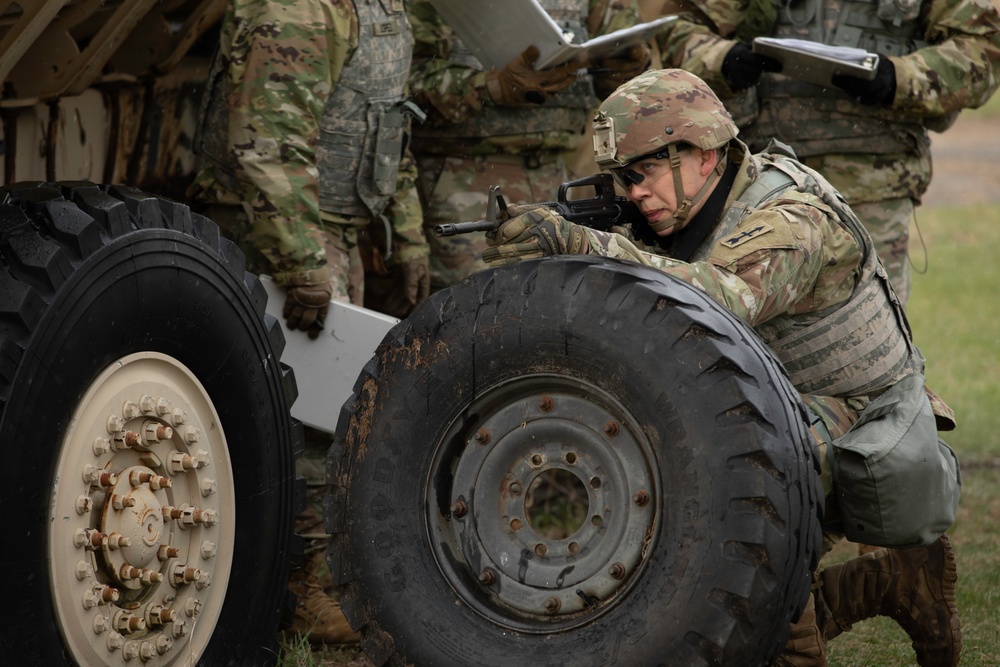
(655, 193)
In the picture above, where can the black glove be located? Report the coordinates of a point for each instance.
(879, 91)
(741, 68)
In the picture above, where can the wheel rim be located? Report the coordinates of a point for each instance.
(481, 527)
(142, 502)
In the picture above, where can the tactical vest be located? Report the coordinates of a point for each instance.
(366, 117)
(567, 110)
(363, 123)
(857, 348)
(825, 120)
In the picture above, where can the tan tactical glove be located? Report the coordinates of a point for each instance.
(538, 233)
(518, 84)
(306, 307)
(401, 289)
(613, 71)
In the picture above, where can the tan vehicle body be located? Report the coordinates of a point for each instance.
(106, 91)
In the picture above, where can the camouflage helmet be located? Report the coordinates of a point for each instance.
(655, 109)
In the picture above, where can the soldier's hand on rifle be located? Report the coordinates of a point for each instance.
(538, 233)
(742, 68)
(306, 307)
(879, 91)
(519, 84)
(612, 71)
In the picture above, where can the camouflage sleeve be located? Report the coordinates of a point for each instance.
(699, 40)
(960, 67)
(454, 92)
(607, 16)
(772, 264)
(442, 87)
(286, 57)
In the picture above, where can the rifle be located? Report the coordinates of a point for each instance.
(602, 211)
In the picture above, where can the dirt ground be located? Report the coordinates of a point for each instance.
(966, 163)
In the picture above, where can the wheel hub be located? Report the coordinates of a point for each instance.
(144, 495)
(532, 441)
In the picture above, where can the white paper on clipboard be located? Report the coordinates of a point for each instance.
(497, 31)
(815, 62)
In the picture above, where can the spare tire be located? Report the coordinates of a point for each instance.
(148, 482)
(686, 445)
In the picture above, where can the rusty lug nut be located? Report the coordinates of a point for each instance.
(459, 509)
(117, 541)
(125, 440)
(126, 622)
(545, 404)
(84, 504)
(553, 605)
(166, 552)
(482, 436)
(153, 432)
(641, 498)
(104, 594)
(99, 476)
(611, 429)
(487, 577)
(121, 502)
(541, 550)
(617, 571)
(138, 478)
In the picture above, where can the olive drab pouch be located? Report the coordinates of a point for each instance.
(897, 483)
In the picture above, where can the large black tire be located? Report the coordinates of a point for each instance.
(700, 478)
(134, 352)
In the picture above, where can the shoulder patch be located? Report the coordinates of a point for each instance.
(741, 236)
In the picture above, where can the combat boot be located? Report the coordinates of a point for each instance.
(806, 646)
(915, 587)
(317, 616)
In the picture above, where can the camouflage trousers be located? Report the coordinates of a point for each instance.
(888, 223)
(456, 190)
(837, 417)
(341, 241)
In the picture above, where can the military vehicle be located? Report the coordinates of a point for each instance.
(149, 418)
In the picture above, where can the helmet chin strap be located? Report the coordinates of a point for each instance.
(680, 216)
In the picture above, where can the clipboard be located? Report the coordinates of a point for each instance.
(815, 62)
(497, 31)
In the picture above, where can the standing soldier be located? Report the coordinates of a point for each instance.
(509, 126)
(303, 132)
(869, 138)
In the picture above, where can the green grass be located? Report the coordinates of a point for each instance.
(955, 313)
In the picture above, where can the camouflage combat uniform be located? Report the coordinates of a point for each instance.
(303, 136)
(468, 143)
(293, 78)
(945, 53)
